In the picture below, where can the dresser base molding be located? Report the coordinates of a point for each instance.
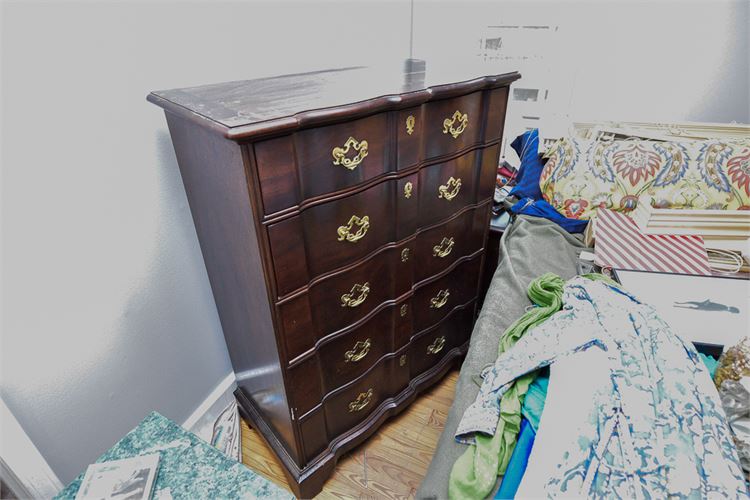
(308, 481)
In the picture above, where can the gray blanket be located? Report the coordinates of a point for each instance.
(529, 248)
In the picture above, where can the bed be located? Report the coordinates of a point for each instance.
(532, 246)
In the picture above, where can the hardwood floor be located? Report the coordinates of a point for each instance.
(391, 464)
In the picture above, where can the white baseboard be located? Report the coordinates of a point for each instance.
(201, 421)
(22, 466)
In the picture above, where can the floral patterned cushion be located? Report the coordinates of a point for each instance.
(581, 176)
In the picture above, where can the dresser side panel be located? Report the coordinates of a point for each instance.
(214, 176)
(496, 108)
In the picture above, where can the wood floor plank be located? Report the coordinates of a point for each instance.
(391, 464)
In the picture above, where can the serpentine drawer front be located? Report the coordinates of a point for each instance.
(343, 218)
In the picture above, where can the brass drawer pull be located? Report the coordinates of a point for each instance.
(455, 131)
(358, 352)
(350, 299)
(440, 299)
(436, 346)
(345, 232)
(339, 153)
(405, 255)
(450, 189)
(443, 248)
(362, 400)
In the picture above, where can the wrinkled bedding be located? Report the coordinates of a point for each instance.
(530, 247)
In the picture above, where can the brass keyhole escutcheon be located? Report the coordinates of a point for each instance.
(410, 120)
(408, 189)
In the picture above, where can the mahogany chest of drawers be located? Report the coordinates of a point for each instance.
(343, 217)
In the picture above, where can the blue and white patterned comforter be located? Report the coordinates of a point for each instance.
(656, 427)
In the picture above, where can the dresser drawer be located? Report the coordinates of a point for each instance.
(349, 356)
(344, 299)
(352, 405)
(451, 125)
(433, 301)
(314, 162)
(339, 360)
(430, 346)
(441, 246)
(328, 236)
(319, 161)
(341, 232)
(446, 188)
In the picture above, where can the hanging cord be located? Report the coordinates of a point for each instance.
(723, 261)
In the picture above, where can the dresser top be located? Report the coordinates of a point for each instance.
(264, 106)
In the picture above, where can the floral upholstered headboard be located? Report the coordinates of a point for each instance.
(673, 167)
(655, 131)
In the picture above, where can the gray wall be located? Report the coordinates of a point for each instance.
(656, 60)
(107, 311)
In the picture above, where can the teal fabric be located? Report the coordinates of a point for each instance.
(710, 363)
(533, 404)
(188, 466)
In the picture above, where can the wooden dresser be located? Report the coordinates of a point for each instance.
(343, 217)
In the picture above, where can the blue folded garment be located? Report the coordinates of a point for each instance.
(540, 208)
(518, 461)
(527, 185)
(526, 146)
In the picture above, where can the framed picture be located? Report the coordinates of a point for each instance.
(709, 310)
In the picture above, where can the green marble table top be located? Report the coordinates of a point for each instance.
(189, 468)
